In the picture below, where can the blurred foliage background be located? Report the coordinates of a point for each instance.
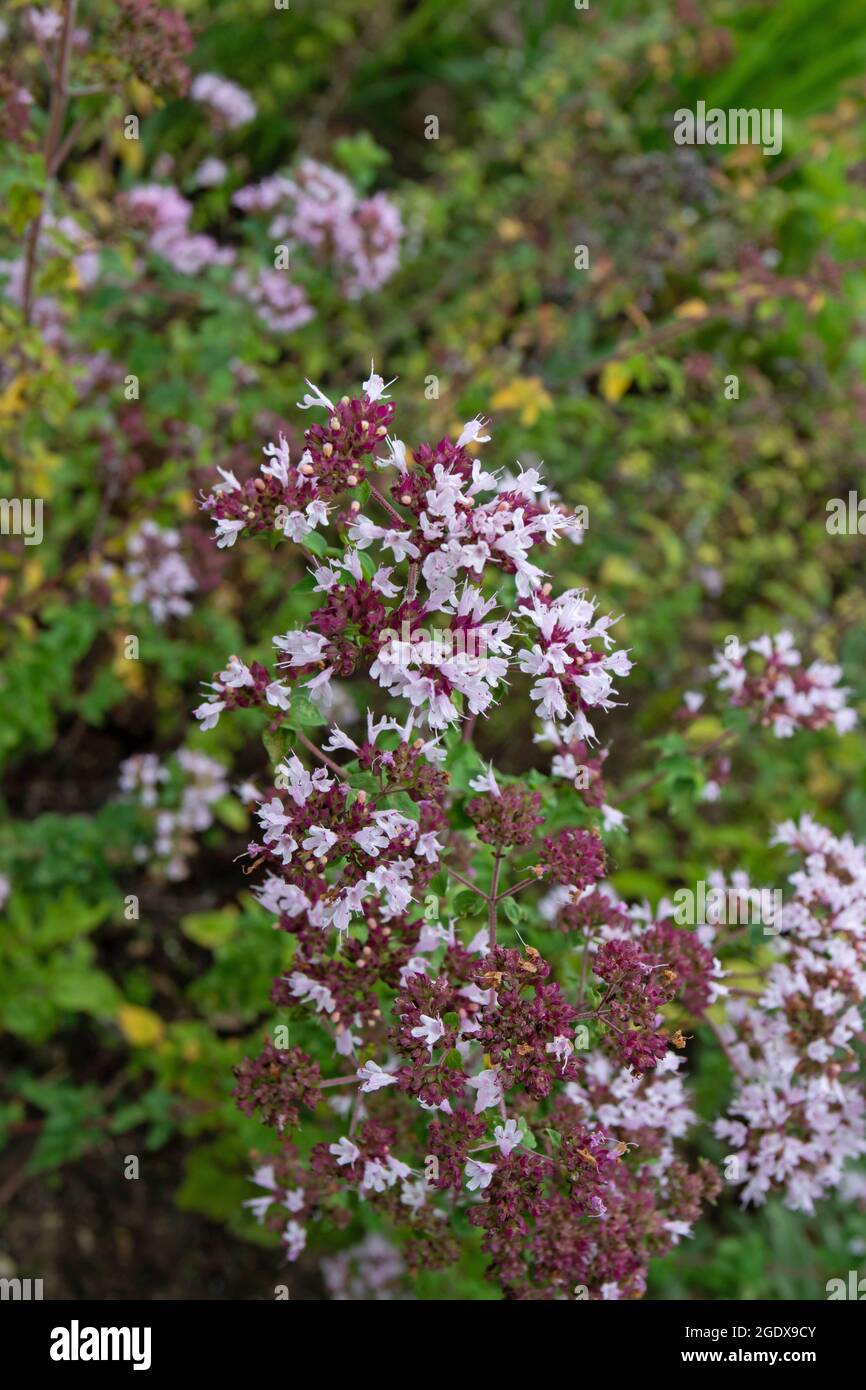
(707, 518)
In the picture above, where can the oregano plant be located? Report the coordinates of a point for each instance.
(499, 1058)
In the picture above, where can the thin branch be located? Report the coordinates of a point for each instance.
(584, 962)
(716, 1030)
(68, 144)
(491, 906)
(323, 757)
(57, 114)
(386, 505)
(524, 883)
(412, 583)
(357, 1108)
(468, 884)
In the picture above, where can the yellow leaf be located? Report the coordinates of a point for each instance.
(41, 468)
(822, 782)
(707, 554)
(33, 574)
(616, 569)
(25, 625)
(12, 400)
(615, 380)
(691, 309)
(144, 98)
(185, 503)
(130, 152)
(704, 730)
(510, 229)
(526, 394)
(636, 464)
(140, 1027)
(129, 673)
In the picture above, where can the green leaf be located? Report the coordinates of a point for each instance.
(86, 991)
(229, 811)
(402, 802)
(526, 1136)
(24, 204)
(368, 564)
(210, 929)
(304, 713)
(70, 1125)
(467, 904)
(278, 743)
(513, 911)
(317, 543)
(463, 764)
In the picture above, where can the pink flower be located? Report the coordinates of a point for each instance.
(783, 693)
(231, 104)
(345, 1151)
(430, 1030)
(507, 1137)
(479, 1175)
(373, 1077)
(45, 24)
(487, 1089)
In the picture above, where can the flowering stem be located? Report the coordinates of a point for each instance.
(584, 962)
(545, 1158)
(386, 506)
(338, 1081)
(68, 144)
(323, 757)
(467, 883)
(606, 1018)
(705, 1018)
(524, 883)
(45, 56)
(412, 585)
(356, 1114)
(491, 906)
(59, 100)
(387, 791)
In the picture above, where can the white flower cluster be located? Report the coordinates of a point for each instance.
(800, 1114)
